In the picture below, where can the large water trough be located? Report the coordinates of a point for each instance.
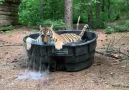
(73, 57)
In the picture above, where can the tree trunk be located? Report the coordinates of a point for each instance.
(90, 17)
(68, 14)
(109, 2)
(98, 13)
(103, 5)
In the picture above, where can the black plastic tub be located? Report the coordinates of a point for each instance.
(73, 57)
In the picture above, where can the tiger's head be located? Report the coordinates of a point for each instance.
(47, 33)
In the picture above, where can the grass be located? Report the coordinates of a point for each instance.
(109, 30)
(120, 86)
(7, 28)
(119, 26)
(35, 30)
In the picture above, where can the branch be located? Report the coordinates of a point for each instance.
(110, 55)
(12, 45)
(78, 22)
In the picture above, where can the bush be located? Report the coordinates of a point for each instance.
(7, 28)
(109, 30)
(119, 26)
(58, 24)
(1, 1)
(33, 12)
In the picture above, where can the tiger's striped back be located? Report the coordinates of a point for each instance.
(70, 37)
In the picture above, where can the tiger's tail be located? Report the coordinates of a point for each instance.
(84, 30)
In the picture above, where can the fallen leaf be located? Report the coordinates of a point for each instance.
(116, 56)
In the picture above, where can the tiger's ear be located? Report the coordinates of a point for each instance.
(51, 28)
(40, 27)
(41, 30)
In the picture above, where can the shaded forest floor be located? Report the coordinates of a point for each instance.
(110, 70)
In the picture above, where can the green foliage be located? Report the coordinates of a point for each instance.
(36, 12)
(122, 28)
(123, 22)
(29, 13)
(7, 28)
(109, 30)
(58, 24)
(119, 26)
(1, 1)
(79, 9)
(120, 86)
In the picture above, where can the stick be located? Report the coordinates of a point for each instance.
(109, 55)
(12, 45)
(78, 22)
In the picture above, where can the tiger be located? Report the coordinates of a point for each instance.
(60, 39)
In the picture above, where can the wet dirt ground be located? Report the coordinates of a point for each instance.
(107, 72)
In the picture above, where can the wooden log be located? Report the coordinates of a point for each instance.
(5, 22)
(15, 22)
(4, 16)
(5, 13)
(8, 22)
(5, 9)
(9, 18)
(13, 1)
(9, 8)
(8, 13)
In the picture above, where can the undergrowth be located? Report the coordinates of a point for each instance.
(119, 26)
(6, 28)
(58, 24)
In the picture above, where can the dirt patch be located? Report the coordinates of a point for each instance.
(107, 73)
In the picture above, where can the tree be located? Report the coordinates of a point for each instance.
(103, 5)
(90, 17)
(68, 18)
(98, 13)
(109, 3)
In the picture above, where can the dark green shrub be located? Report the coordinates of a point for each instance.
(7, 28)
(109, 30)
(58, 24)
(35, 12)
(119, 26)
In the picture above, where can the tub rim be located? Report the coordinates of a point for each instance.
(69, 44)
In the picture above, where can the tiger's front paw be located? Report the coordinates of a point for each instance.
(59, 45)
